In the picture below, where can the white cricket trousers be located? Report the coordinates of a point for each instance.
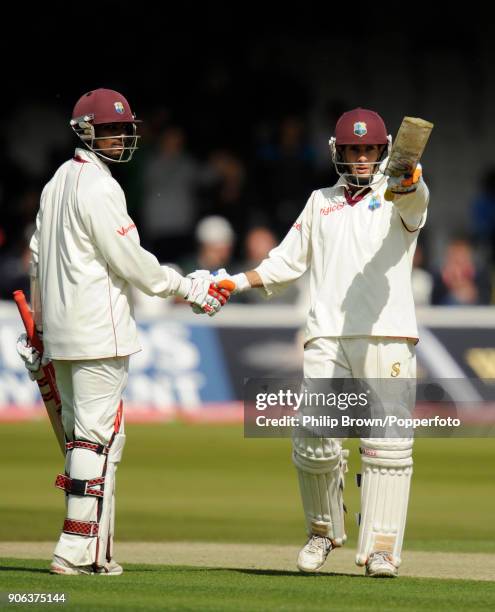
(91, 393)
(360, 357)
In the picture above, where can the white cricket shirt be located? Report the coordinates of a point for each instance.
(360, 259)
(86, 253)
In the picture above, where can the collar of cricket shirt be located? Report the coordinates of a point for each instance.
(353, 197)
(85, 155)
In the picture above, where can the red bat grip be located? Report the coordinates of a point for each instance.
(27, 319)
(226, 284)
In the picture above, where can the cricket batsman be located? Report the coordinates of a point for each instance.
(358, 246)
(85, 255)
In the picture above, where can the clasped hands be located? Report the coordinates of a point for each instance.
(220, 288)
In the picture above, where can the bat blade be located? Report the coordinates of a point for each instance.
(408, 146)
(47, 383)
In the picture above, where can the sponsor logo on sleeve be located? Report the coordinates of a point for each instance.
(297, 226)
(122, 231)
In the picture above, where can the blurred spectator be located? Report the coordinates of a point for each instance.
(286, 173)
(14, 266)
(132, 176)
(171, 179)
(483, 215)
(258, 243)
(19, 208)
(45, 133)
(228, 194)
(215, 241)
(323, 120)
(18, 215)
(461, 281)
(421, 279)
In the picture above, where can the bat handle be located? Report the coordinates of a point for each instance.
(227, 284)
(27, 319)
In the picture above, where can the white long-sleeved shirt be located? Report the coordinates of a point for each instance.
(360, 260)
(86, 254)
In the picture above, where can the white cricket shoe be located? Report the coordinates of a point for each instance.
(112, 568)
(65, 568)
(314, 554)
(380, 565)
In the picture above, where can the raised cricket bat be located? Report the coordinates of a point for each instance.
(408, 147)
(47, 383)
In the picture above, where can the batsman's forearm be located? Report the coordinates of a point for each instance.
(413, 206)
(254, 279)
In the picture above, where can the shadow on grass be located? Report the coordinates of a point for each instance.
(34, 570)
(287, 573)
(193, 569)
(17, 568)
(268, 572)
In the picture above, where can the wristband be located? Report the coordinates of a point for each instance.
(241, 282)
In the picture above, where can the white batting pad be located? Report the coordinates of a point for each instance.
(84, 464)
(321, 464)
(386, 478)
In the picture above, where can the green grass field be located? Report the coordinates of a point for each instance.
(146, 587)
(209, 484)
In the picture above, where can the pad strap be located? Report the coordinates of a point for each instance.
(82, 528)
(92, 446)
(75, 486)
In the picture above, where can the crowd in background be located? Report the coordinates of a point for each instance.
(224, 205)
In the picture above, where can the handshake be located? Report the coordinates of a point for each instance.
(209, 291)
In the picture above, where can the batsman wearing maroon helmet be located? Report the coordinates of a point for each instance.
(85, 256)
(357, 240)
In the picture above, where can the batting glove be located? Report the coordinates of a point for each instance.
(31, 357)
(219, 291)
(406, 183)
(197, 292)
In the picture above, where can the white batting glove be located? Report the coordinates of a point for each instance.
(406, 183)
(197, 292)
(31, 357)
(201, 274)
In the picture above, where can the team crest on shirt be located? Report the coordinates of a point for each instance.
(374, 203)
(360, 129)
(119, 107)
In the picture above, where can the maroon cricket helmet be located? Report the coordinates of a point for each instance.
(360, 126)
(105, 106)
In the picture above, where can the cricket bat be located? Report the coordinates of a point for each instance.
(46, 383)
(408, 148)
